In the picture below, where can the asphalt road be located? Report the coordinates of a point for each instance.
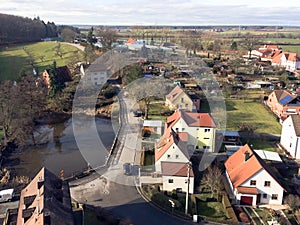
(115, 191)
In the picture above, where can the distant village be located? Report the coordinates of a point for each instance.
(251, 178)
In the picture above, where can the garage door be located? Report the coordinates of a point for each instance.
(246, 200)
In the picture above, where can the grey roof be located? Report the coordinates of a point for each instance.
(296, 123)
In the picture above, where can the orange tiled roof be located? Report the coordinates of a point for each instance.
(130, 41)
(184, 136)
(248, 190)
(277, 58)
(175, 169)
(170, 137)
(240, 170)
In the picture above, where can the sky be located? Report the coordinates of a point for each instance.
(158, 12)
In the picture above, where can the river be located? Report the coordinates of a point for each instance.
(57, 149)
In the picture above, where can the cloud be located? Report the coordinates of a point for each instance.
(169, 12)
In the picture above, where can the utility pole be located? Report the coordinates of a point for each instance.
(188, 188)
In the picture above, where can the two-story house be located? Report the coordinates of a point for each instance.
(172, 160)
(290, 135)
(63, 75)
(96, 74)
(45, 200)
(171, 147)
(251, 180)
(283, 103)
(200, 129)
(178, 99)
(290, 61)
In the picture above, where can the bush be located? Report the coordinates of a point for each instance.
(109, 92)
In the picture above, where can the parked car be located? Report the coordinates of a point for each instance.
(127, 168)
(137, 113)
(6, 195)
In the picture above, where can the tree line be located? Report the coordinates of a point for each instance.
(16, 29)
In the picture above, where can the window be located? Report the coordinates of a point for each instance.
(177, 129)
(182, 100)
(183, 129)
(265, 195)
(206, 138)
(274, 196)
(252, 182)
(267, 183)
(169, 156)
(171, 181)
(177, 156)
(186, 105)
(206, 130)
(197, 128)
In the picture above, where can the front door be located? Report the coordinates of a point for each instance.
(258, 198)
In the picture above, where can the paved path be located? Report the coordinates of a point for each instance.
(80, 47)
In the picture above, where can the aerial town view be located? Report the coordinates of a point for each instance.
(149, 112)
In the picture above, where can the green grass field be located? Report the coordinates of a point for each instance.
(14, 59)
(252, 113)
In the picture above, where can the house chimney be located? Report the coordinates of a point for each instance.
(247, 155)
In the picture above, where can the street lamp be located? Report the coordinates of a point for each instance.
(188, 188)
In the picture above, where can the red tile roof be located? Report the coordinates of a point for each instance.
(45, 196)
(175, 169)
(192, 119)
(294, 57)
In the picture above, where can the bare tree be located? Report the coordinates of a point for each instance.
(250, 42)
(293, 201)
(19, 105)
(107, 37)
(212, 180)
(147, 89)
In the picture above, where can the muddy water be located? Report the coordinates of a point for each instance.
(57, 149)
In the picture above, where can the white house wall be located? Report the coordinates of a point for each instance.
(178, 182)
(197, 135)
(275, 188)
(173, 154)
(289, 140)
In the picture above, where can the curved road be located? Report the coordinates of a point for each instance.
(115, 191)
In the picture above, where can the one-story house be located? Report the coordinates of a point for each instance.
(175, 177)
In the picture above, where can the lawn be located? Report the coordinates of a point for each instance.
(251, 113)
(14, 59)
(291, 48)
(260, 144)
(210, 207)
(157, 111)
